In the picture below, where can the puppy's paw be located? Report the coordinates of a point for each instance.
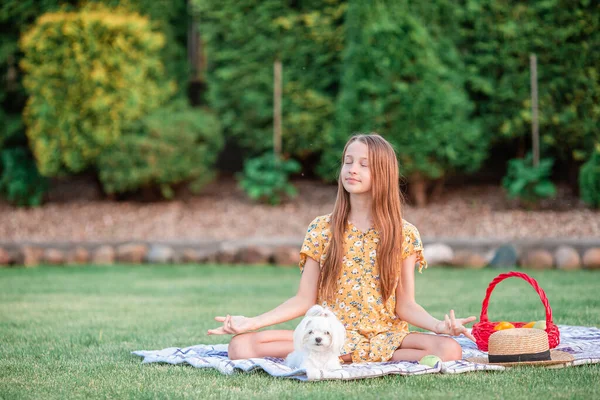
(333, 365)
(314, 373)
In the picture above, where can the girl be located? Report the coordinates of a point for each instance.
(359, 261)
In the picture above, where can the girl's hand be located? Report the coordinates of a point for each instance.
(454, 326)
(233, 325)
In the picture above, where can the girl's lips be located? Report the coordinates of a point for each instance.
(352, 180)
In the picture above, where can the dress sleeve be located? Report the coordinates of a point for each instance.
(412, 244)
(315, 241)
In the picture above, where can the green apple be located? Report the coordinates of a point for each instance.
(430, 360)
(540, 325)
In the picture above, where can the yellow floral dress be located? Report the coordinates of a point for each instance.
(373, 332)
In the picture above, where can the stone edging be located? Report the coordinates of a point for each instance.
(460, 252)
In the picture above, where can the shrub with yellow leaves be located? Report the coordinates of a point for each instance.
(89, 74)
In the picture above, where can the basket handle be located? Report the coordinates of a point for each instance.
(528, 279)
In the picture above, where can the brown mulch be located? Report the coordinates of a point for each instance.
(77, 212)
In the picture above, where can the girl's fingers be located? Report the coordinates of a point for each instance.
(217, 331)
(227, 324)
(470, 319)
(447, 322)
(232, 327)
(453, 320)
(228, 327)
(222, 330)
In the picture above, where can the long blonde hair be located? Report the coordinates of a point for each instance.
(386, 213)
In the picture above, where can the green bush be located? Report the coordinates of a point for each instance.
(497, 38)
(589, 179)
(15, 15)
(527, 183)
(89, 74)
(171, 19)
(168, 17)
(20, 181)
(172, 145)
(10, 126)
(243, 39)
(479, 53)
(266, 178)
(396, 83)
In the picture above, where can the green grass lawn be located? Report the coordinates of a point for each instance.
(68, 332)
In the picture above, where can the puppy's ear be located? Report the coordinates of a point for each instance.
(299, 333)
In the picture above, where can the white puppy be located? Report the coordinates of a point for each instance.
(318, 341)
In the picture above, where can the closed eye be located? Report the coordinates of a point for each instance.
(327, 333)
(310, 332)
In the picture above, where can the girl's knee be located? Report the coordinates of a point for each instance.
(449, 350)
(240, 347)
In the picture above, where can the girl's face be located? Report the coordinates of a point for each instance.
(356, 173)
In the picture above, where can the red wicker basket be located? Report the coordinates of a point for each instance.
(484, 328)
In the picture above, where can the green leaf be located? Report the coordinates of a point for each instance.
(545, 189)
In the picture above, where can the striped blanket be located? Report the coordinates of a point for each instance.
(582, 342)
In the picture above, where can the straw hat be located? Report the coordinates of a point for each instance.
(521, 346)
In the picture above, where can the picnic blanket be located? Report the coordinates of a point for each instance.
(580, 341)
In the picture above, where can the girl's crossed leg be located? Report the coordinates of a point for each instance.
(271, 343)
(280, 343)
(417, 345)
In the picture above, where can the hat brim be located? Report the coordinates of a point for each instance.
(556, 357)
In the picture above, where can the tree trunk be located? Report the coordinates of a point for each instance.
(438, 189)
(418, 190)
(277, 89)
(573, 178)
